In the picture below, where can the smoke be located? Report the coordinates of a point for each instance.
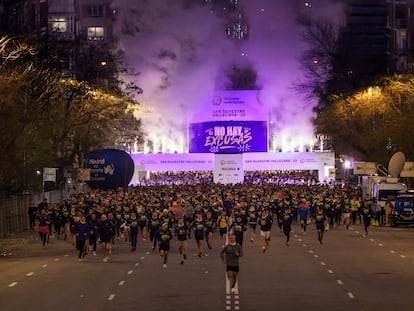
(181, 52)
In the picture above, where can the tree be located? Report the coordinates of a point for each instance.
(373, 123)
(49, 121)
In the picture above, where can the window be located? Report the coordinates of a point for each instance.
(59, 24)
(95, 33)
(95, 10)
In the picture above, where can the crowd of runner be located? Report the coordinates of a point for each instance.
(190, 206)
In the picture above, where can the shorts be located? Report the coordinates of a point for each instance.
(223, 231)
(253, 226)
(265, 234)
(199, 236)
(164, 247)
(232, 268)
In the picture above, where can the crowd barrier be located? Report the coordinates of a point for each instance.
(14, 218)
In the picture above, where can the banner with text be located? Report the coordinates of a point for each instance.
(228, 168)
(228, 137)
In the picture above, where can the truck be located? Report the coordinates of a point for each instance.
(380, 189)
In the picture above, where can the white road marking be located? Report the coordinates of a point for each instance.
(236, 308)
(67, 255)
(137, 264)
(142, 258)
(13, 284)
(350, 295)
(130, 272)
(121, 283)
(57, 259)
(392, 252)
(340, 282)
(44, 266)
(323, 264)
(228, 307)
(380, 244)
(330, 271)
(372, 240)
(311, 251)
(316, 256)
(304, 244)
(30, 274)
(300, 240)
(402, 256)
(111, 297)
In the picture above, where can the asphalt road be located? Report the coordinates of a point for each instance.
(348, 272)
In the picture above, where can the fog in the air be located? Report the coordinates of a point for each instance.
(182, 53)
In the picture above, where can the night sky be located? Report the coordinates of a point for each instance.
(182, 55)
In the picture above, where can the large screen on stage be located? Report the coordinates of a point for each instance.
(228, 137)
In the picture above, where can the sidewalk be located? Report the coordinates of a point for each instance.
(28, 244)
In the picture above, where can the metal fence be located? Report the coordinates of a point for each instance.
(13, 211)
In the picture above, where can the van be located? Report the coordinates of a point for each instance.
(403, 212)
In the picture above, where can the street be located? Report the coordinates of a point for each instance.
(347, 272)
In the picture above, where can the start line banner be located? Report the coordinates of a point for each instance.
(261, 161)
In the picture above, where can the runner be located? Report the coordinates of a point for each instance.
(199, 233)
(82, 230)
(287, 223)
(265, 222)
(366, 216)
(252, 221)
(154, 225)
(238, 228)
(209, 225)
(132, 224)
(106, 232)
(163, 237)
(223, 222)
(181, 234)
(320, 224)
(42, 226)
(230, 255)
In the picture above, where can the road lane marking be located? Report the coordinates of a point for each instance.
(311, 251)
(13, 284)
(137, 264)
(323, 264)
(304, 244)
(316, 256)
(111, 297)
(380, 244)
(57, 259)
(130, 272)
(392, 252)
(44, 266)
(350, 295)
(30, 274)
(330, 271)
(402, 256)
(121, 283)
(142, 258)
(372, 240)
(340, 282)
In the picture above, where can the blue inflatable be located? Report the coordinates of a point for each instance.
(109, 168)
